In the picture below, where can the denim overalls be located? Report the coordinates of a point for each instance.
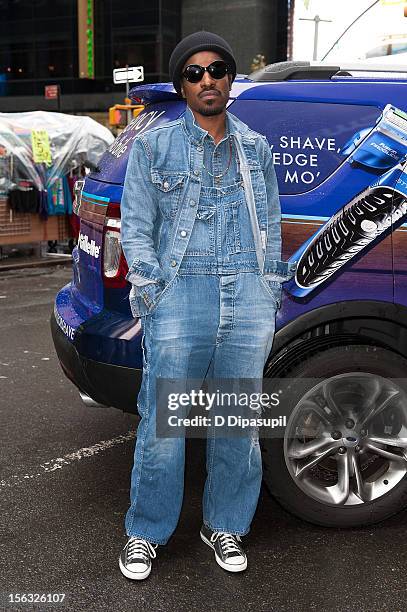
(214, 319)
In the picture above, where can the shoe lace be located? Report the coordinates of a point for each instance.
(141, 548)
(227, 541)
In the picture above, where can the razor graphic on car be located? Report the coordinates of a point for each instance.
(384, 145)
(349, 231)
(364, 220)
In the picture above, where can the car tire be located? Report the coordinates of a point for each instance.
(280, 478)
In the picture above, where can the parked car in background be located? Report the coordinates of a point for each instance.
(393, 46)
(392, 50)
(338, 135)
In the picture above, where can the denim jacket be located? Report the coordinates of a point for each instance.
(159, 205)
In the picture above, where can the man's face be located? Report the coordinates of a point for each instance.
(209, 96)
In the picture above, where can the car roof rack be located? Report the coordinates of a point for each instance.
(285, 71)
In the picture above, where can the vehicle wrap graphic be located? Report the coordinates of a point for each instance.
(386, 144)
(309, 141)
(87, 288)
(66, 314)
(89, 246)
(369, 216)
(113, 164)
(67, 329)
(354, 228)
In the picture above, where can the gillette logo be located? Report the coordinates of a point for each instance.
(89, 246)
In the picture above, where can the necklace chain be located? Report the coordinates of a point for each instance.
(216, 176)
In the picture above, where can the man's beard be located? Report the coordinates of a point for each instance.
(209, 111)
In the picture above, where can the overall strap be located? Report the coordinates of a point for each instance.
(247, 183)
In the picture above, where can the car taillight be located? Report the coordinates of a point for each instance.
(114, 263)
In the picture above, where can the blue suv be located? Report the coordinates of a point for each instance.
(338, 136)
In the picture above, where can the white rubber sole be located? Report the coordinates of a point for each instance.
(133, 575)
(225, 566)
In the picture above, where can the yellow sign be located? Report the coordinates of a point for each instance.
(40, 146)
(386, 2)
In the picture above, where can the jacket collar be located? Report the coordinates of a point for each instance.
(233, 125)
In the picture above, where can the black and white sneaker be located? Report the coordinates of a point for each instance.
(135, 558)
(228, 552)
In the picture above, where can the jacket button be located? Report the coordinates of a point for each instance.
(183, 233)
(173, 263)
(200, 148)
(166, 185)
(192, 203)
(196, 172)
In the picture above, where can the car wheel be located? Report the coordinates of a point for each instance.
(343, 459)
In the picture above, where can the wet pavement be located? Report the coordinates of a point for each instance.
(64, 486)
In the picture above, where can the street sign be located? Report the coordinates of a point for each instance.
(51, 92)
(130, 74)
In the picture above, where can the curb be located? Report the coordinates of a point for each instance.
(39, 263)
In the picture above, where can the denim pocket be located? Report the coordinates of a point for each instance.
(169, 186)
(274, 289)
(137, 305)
(151, 293)
(165, 294)
(239, 234)
(202, 239)
(143, 299)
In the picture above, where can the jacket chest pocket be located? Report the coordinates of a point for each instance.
(169, 189)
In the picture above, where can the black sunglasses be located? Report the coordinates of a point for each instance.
(217, 69)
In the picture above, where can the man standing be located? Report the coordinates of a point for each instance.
(207, 306)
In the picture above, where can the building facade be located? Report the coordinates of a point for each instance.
(40, 44)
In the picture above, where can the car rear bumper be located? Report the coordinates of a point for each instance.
(107, 384)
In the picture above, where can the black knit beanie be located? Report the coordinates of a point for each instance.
(198, 41)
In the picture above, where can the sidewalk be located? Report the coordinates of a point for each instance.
(18, 263)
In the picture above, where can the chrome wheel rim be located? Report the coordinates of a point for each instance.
(346, 439)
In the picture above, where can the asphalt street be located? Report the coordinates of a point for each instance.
(64, 490)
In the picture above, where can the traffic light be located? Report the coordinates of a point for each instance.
(114, 116)
(118, 113)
